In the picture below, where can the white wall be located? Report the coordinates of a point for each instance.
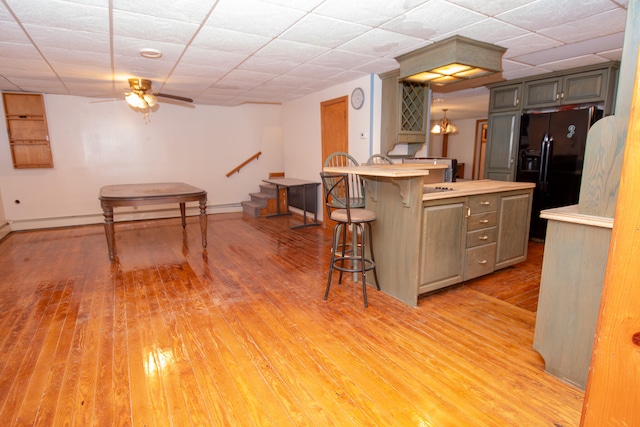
(302, 129)
(460, 145)
(101, 143)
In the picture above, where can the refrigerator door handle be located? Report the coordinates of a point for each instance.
(541, 175)
(545, 163)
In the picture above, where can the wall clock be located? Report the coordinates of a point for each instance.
(357, 98)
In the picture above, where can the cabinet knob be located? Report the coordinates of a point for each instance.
(468, 212)
(483, 262)
(484, 221)
(485, 203)
(485, 237)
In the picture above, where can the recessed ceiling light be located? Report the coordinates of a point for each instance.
(150, 53)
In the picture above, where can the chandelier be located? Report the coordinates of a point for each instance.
(444, 126)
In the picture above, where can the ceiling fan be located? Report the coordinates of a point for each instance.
(142, 98)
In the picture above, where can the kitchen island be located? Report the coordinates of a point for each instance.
(431, 234)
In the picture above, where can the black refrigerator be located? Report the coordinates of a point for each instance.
(551, 154)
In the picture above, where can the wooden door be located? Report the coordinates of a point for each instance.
(334, 120)
(335, 126)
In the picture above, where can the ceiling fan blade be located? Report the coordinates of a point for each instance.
(176, 97)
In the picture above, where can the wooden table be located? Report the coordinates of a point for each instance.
(150, 194)
(305, 199)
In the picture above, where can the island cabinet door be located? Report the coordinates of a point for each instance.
(514, 214)
(443, 240)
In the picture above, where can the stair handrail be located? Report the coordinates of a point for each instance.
(245, 163)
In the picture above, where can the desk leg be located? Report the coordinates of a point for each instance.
(108, 230)
(183, 211)
(203, 221)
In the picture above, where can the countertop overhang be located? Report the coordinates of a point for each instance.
(470, 188)
(403, 170)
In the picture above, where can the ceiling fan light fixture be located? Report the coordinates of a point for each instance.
(149, 99)
(136, 101)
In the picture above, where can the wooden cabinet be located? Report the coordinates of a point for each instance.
(404, 114)
(594, 84)
(575, 88)
(27, 128)
(505, 98)
(481, 235)
(502, 131)
(466, 237)
(513, 225)
(443, 243)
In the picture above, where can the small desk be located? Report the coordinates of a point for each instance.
(301, 194)
(150, 194)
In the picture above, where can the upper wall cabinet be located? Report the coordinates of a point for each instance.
(27, 127)
(571, 89)
(505, 98)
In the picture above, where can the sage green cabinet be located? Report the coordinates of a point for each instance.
(514, 215)
(502, 132)
(586, 87)
(467, 237)
(442, 243)
(505, 98)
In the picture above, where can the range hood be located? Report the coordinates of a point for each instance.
(453, 64)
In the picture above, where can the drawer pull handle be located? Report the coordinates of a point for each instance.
(483, 262)
(483, 237)
(483, 221)
(485, 203)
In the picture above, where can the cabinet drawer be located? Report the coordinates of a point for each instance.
(481, 237)
(483, 203)
(483, 220)
(480, 261)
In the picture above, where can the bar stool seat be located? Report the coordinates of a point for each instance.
(348, 256)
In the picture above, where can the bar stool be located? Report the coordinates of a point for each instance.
(336, 195)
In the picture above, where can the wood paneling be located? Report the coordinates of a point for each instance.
(240, 335)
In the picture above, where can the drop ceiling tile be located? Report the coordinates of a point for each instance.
(341, 59)
(213, 58)
(366, 12)
(39, 85)
(268, 65)
(433, 20)
(290, 51)
(609, 22)
(322, 31)
(304, 5)
(378, 42)
(12, 33)
(18, 51)
(188, 72)
(62, 37)
(178, 10)
(550, 13)
(72, 58)
(229, 41)
(526, 44)
(571, 50)
(579, 61)
(141, 67)
(488, 30)
(378, 66)
(126, 24)
(317, 72)
(612, 55)
(33, 67)
(62, 14)
(246, 79)
(493, 7)
(253, 17)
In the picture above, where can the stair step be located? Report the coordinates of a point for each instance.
(269, 189)
(252, 208)
(261, 197)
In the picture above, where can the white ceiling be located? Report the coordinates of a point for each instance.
(228, 52)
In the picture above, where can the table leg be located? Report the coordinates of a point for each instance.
(183, 214)
(203, 221)
(108, 230)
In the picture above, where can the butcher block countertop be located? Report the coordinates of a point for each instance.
(403, 170)
(470, 188)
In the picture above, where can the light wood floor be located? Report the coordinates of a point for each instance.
(241, 336)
